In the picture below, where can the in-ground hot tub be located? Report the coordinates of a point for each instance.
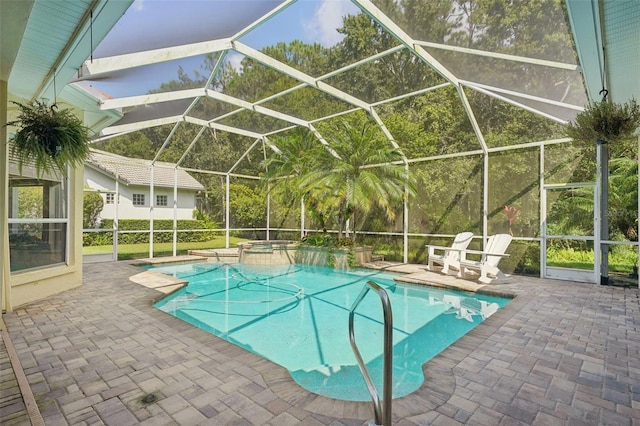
(271, 252)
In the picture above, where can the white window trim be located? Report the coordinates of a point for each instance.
(137, 203)
(61, 220)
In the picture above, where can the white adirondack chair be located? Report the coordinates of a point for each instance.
(448, 257)
(487, 266)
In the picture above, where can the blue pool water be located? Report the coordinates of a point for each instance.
(297, 316)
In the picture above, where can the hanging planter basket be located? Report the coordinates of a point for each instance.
(48, 138)
(605, 122)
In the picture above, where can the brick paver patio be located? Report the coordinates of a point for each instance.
(559, 354)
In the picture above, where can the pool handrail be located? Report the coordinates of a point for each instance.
(382, 414)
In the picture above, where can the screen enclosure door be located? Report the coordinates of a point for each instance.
(570, 243)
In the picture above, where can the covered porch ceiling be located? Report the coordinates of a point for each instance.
(45, 42)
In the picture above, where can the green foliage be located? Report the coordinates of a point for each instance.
(326, 240)
(332, 246)
(134, 145)
(105, 238)
(621, 258)
(335, 177)
(205, 218)
(249, 206)
(301, 152)
(605, 121)
(360, 171)
(390, 251)
(92, 204)
(96, 239)
(140, 251)
(24, 239)
(623, 198)
(30, 201)
(49, 137)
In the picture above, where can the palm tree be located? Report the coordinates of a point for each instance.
(364, 171)
(300, 152)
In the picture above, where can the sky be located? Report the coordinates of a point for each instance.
(153, 24)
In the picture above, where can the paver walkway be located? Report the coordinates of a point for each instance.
(12, 407)
(559, 354)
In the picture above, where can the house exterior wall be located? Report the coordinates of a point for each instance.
(21, 287)
(5, 275)
(126, 210)
(31, 285)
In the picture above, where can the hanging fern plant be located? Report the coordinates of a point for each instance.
(605, 122)
(49, 138)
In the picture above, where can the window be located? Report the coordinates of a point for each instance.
(38, 222)
(161, 200)
(138, 199)
(111, 198)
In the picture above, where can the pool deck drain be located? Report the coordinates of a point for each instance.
(559, 353)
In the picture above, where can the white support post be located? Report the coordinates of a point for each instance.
(151, 214)
(116, 226)
(302, 227)
(5, 267)
(226, 207)
(405, 225)
(603, 149)
(268, 212)
(175, 211)
(485, 198)
(543, 216)
(69, 190)
(597, 222)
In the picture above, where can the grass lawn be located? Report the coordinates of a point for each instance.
(140, 251)
(613, 267)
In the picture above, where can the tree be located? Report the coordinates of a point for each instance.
(362, 175)
(92, 205)
(30, 201)
(134, 145)
(249, 206)
(300, 153)
(430, 124)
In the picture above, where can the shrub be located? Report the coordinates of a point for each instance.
(106, 238)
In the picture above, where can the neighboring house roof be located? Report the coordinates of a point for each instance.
(133, 171)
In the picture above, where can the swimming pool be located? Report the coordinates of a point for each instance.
(297, 316)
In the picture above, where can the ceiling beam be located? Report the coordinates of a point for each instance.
(131, 101)
(522, 95)
(152, 98)
(100, 66)
(140, 125)
(519, 104)
(504, 56)
(222, 127)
